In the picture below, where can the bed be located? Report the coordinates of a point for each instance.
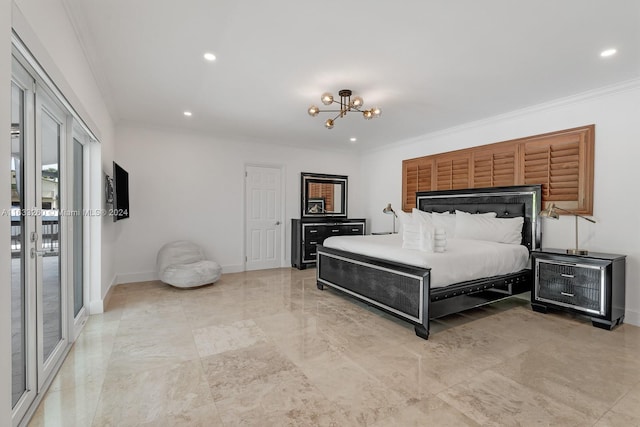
(414, 292)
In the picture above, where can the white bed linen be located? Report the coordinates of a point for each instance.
(463, 260)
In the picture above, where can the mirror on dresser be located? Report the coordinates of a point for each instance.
(323, 195)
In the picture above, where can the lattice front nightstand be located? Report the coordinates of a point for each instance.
(593, 285)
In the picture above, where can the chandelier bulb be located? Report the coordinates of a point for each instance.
(313, 111)
(367, 114)
(326, 98)
(329, 124)
(357, 102)
(376, 112)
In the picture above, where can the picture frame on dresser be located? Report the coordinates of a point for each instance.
(315, 205)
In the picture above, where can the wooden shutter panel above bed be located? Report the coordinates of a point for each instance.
(452, 172)
(495, 167)
(416, 176)
(561, 161)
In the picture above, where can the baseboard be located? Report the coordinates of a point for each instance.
(136, 277)
(152, 275)
(107, 297)
(96, 307)
(237, 268)
(632, 317)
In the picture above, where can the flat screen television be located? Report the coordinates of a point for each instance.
(120, 193)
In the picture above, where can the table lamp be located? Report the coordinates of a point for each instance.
(550, 212)
(389, 210)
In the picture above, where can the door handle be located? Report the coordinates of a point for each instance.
(35, 252)
(277, 222)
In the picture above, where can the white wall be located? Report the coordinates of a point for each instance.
(613, 110)
(190, 186)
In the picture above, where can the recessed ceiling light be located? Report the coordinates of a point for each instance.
(187, 113)
(353, 139)
(209, 56)
(608, 52)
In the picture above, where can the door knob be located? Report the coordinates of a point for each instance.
(35, 252)
(277, 222)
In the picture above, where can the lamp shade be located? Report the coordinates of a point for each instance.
(389, 210)
(550, 212)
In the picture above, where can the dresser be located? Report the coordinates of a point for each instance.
(307, 233)
(592, 285)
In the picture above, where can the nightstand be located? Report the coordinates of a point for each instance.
(592, 285)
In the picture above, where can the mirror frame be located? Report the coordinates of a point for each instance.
(320, 178)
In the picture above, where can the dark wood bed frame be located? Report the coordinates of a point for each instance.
(404, 290)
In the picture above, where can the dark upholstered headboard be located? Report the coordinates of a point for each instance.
(507, 202)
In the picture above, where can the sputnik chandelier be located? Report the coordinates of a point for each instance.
(347, 104)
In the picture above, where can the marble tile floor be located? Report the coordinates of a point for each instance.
(266, 348)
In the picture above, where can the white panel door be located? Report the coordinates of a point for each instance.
(263, 222)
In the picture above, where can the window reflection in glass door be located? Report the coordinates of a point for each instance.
(18, 297)
(49, 252)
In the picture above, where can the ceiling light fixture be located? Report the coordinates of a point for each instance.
(347, 103)
(608, 52)
(353, 139)
(187, 113)
(209, 56)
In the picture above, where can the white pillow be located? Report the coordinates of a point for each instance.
(418, 236)
(482, 227)
(445, 220)
(426, 219)
(403, 218)
(422, 217)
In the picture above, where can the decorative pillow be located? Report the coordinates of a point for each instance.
(418, 236)
(483, 227)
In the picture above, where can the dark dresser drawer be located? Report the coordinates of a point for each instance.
(314, 233)
(309, 252)
(352, 229)
(306, 235)
(579, 286)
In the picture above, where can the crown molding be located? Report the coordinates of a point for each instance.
(625, 86)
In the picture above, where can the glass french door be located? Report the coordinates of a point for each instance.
(78, 230)
(47, 239)
(23, 353)
(46, 282)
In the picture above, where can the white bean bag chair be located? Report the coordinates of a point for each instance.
(183, 264)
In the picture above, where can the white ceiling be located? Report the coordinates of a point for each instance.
(428, 64)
